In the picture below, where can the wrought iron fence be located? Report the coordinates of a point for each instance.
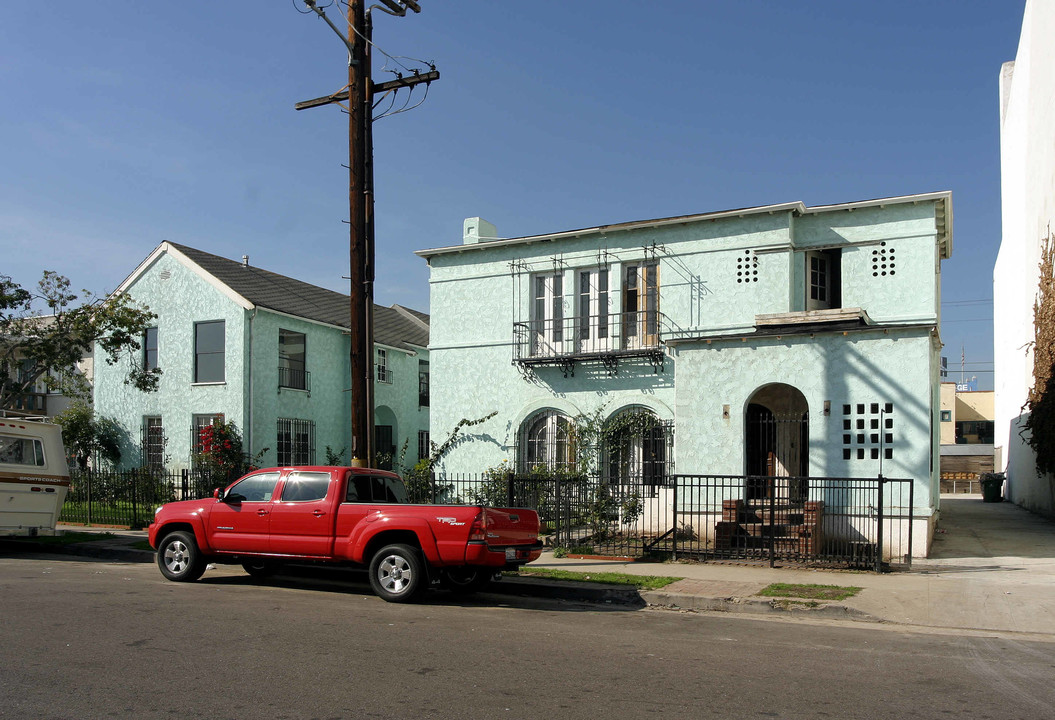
(845, 522)
(862, 523)
(128, 498)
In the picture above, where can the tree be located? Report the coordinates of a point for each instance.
(37, 347)
(84, 435)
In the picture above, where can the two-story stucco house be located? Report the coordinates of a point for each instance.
(775, 340)
(264, 351)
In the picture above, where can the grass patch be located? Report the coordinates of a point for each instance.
(811, 592)
(71, 538)
(641, 582)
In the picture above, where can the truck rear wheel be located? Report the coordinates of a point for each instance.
(179, 558)
(397, 573)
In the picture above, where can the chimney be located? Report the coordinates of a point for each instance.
(475, 230)
(245, 261)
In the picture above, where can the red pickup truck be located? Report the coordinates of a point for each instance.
(342, 515)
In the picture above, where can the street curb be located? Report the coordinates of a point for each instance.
(97, 549)
(755, 606)
(568, 590)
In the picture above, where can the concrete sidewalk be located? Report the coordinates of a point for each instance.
(992, 567)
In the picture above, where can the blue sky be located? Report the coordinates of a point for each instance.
(126, 124)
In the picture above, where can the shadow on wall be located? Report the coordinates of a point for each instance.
(1025, 487)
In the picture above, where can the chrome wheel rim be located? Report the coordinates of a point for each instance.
(177, 556)
(395, 574)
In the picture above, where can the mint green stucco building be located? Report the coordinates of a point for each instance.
(820, 323)
(264, 351)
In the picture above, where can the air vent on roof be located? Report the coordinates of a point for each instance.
(165, 274)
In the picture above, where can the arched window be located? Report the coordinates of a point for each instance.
(546, 440)
(637, 448)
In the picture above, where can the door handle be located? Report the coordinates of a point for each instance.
(318, 513)
(262, 512)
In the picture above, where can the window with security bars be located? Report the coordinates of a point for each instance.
(199, 423)
(424, 448)
(153, 442)
(295, 441)
(546, 441)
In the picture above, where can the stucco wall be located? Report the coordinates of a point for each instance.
(477, 295)
(327, 403)
(180, 300)
(1027, 176)
(400, 398)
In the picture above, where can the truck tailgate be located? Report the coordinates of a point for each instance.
(511, 526)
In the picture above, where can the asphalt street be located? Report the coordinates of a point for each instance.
(92, 639)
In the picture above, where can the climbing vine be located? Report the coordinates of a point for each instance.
(1040, 422)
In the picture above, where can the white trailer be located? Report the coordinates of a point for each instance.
(34, 476)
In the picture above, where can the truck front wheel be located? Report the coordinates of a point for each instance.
(397, 573)
(179, 558)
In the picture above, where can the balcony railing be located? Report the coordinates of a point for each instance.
(585, 336)
(294, 378)
(383, 373)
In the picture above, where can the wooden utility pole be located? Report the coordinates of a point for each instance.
(359, 94)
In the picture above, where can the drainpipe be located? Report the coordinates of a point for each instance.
(248, 434)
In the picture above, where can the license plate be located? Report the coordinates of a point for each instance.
(511, 554)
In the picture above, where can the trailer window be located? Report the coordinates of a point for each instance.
(21, 451)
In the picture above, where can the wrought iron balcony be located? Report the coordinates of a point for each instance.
(580, 338)
(294, 378)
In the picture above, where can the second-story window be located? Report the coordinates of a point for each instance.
(641, 305)
(209, 351)
(150, 349)
(383, 373)
(593, 330)
(547, 314)
(822, 280)
(291, 360)
(423, 383)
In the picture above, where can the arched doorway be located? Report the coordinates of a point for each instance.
(776, 435)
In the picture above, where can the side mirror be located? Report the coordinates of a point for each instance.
(218, 494)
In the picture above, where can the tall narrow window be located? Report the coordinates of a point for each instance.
(291, 360)
(153, 442)
(423, 383)
(150, 349)
(384, 446)
(295, 442)
(209, 351)
(593, 310)
(548, 315)
(199, 423)
(822, 280)
(641, 305)
(382, 371)
(424, 448)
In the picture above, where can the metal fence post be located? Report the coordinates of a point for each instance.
(89, 474)
(879, 531)
(558, 510)
(135, 524)
(772, 488)
(674, 519)
(911, 518)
